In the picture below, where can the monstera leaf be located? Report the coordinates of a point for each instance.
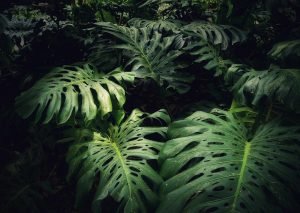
(213, 164)
(120, 159)
(224, 35)
(102, 56)
(204, 37)
(102, 2)
(73, 90)
(275, 84)
(183, 3)
(157, 25)
(152, 55)
(287, 51)
(207, 54)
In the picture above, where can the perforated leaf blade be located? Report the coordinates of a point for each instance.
(121, 159)
(211, 166)
(153, 55)
(72, 90)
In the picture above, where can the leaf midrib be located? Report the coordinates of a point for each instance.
(123, 165)
(247, 150)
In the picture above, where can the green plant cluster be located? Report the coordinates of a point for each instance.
(152, 106)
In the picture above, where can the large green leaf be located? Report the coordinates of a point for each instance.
(203, 42)
(72, 90)
(208, 55)
(102, 56)
(157, 25)
(275, 85)
(287, 51)
(152, 55)
(223, 35)
(120, 158)
(182, 3)
(212, 164)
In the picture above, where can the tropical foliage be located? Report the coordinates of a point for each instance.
(120, 158)
(150, 106)
(69, 90)
(214, 163)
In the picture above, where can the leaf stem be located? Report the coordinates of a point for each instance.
(241, 175)
(124, 167)
(233, 105)
(270, 108)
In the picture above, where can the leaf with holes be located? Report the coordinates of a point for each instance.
(152, 55)
(121, 159)
(74, 90)
(211, 165)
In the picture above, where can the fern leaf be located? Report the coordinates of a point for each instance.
(121, 158)
(212, 166)
(73, 90)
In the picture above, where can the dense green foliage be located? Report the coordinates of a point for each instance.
(150, 106)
